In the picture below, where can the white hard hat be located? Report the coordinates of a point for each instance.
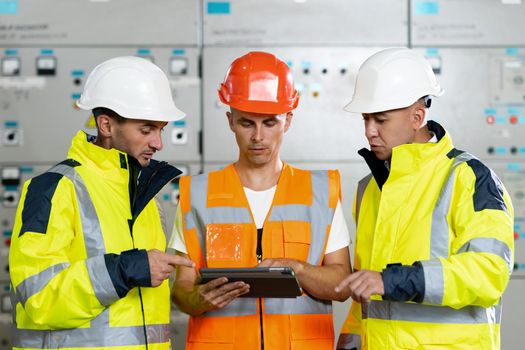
(391, 79)
(132, 87)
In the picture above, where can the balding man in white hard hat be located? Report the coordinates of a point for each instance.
(87, 261)
(434, 241)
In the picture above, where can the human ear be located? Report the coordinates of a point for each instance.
(288, 121)
(229, 115)
(104, 125)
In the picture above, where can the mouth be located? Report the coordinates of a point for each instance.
(148, 155)
(257, 149)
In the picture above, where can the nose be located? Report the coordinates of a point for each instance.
(156, 142)
(257, 134)
(370, 129)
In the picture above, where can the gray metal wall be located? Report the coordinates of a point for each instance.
(477, 48)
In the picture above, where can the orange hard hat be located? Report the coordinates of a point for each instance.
(259, 82)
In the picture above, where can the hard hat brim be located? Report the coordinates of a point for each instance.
(168, 115)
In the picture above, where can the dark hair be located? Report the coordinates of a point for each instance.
(110, 113)
(426, 101)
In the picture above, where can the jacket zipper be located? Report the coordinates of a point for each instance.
(133, 188)
(259, 259)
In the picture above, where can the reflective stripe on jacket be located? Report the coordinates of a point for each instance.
(73, 228)
(445, 209)
(220, 232)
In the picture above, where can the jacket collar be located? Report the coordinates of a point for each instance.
(98, 158)
(409, 158)
(117, 166)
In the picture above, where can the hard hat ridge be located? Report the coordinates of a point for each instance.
(259, 82)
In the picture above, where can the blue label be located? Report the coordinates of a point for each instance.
(46, 52)
(8, 7)
(501, 119)
(513, 166)
(427, 8)
(77, 73)
(289, 63)
(75, 96)
(490, 111)
(517, 227)
(8, 233)
(166, 197)
(178, 51)
(11, 52)
(521, 120)
(26, 169)
(513, 111)
(306, 64)
(11, 124)
(219, 8)
(179, 123)
(521, 266)
(512, 51)
(501, 150)
(143, 52)
(432, 52)
(522, 150)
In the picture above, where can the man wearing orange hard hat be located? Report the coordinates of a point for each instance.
(261, 212)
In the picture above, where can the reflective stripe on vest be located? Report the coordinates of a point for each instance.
(361, 186)
(319, 215)
(99, 334)
(93, 238)
(439, 241)
(303, 305)
(387, 310)
(34, 284)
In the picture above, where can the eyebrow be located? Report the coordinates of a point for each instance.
(243, 119)
(151, 125)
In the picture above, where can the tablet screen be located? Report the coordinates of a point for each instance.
(265, 282)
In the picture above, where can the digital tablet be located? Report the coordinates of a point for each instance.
(265, 282)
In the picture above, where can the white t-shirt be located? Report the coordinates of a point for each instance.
(260, 203)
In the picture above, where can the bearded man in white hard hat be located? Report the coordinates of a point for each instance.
(87, 261)
(434, 241)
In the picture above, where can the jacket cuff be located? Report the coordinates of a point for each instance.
(404, 282)
(128, 270)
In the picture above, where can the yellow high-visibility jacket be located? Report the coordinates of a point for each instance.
(78, 260)
(219, 231)
(439, 225)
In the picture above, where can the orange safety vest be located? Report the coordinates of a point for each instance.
(220, 232)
